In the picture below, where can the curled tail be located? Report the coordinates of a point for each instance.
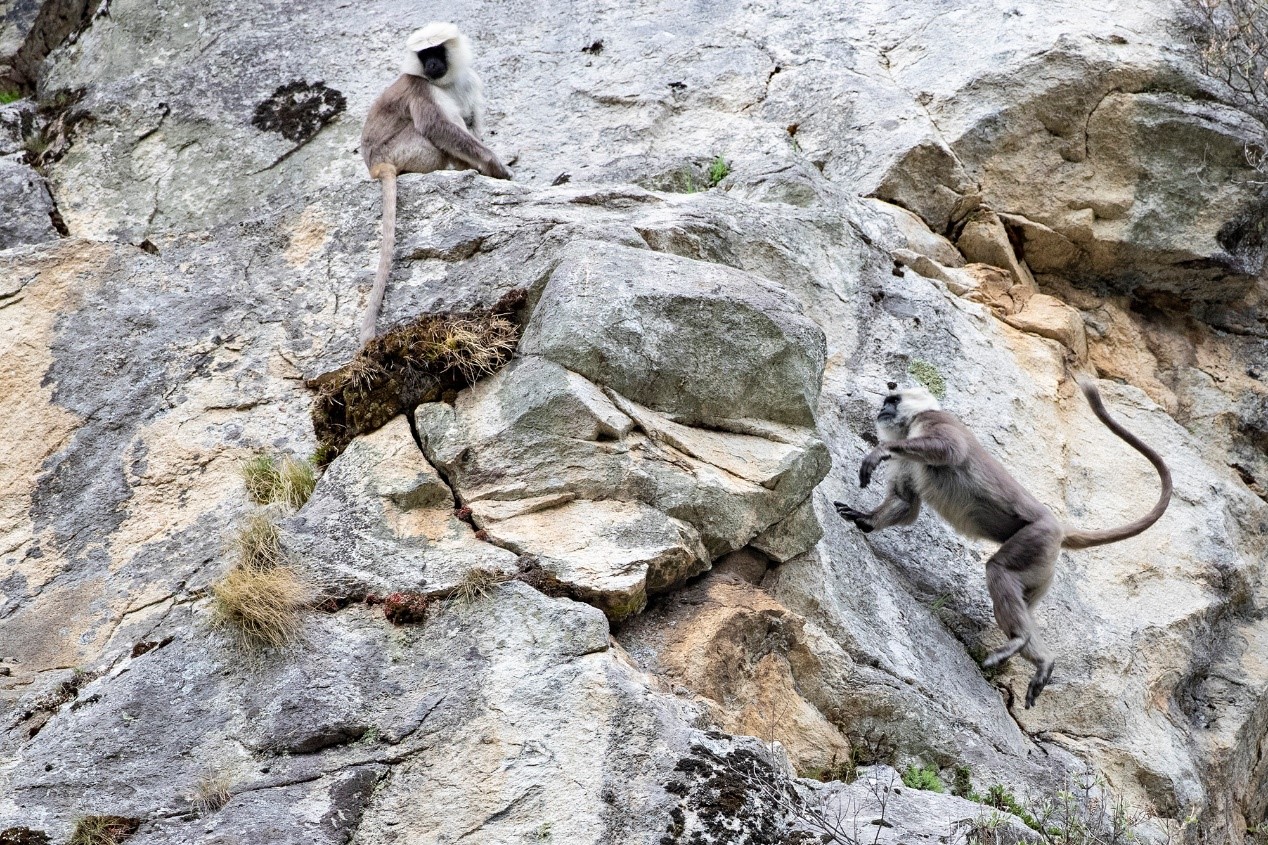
(1076, 539)
(386, 174)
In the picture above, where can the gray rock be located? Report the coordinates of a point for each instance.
(138, 381)
(381, 520)
(615, 500)
(647, 340)
(25, 206)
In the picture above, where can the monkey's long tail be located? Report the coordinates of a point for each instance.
(386, 174)
(1076, 539)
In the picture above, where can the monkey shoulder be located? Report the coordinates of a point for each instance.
(942, 426)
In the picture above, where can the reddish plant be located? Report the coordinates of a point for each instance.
(407, 608)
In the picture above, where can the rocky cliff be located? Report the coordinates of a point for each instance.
(644, 623)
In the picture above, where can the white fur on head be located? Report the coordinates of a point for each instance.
(895, 419)
(916, 400)
(458, 50)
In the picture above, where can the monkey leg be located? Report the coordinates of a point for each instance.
(1043, 663)
(1011, 613)
(1017, 575)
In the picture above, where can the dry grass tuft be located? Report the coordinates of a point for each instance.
(212, 792)
(298, 480)
(103, 830)
(261, 597)
(425, 359)
(262, 606)
(262, 478)
(289, 482)
(479, 583)
(259, 544)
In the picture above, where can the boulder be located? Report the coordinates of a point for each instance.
(649, 325)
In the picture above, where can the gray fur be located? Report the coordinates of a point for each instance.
(416, 126)
(936, 459)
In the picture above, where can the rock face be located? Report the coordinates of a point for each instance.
(638, 618)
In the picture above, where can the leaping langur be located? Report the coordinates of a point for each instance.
(431, 118)
(936, 459)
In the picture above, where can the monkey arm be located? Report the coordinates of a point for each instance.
(943, 446)
(455, 141)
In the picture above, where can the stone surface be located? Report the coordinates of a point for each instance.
(704, 362)
(617, 501)
(381, 520)
(647, 340)
(918, 236)
(25, 206)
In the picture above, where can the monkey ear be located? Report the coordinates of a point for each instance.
(893, 385)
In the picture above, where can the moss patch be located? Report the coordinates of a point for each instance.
(427, 359)
(928, 375)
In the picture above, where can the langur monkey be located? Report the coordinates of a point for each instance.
(939, 461)
(428, 119)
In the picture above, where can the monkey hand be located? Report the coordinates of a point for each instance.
(496, 170)
(859, 518)
(870, 463)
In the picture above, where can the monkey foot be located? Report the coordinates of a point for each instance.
(1005, 652)
(1040, 680)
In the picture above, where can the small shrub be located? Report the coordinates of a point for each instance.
(845, 771)
(719, 169)
(962, 783)
(103, 830)
(7, 97)
(925, 777)
(1001, 798)
(1229, 36)
(478, 583)
(322, 455)
(928, 375)
(406, 608)
(212, 792)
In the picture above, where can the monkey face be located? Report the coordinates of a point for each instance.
(435, 62)
(889, 408)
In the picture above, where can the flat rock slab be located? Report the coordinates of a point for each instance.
(609, 553)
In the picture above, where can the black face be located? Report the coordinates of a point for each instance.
(434, 61)
(889, 408)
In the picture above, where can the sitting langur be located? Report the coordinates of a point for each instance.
(428, 119)
(936, 459)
